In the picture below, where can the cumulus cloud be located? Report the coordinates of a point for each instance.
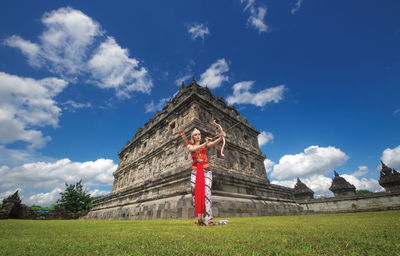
(391, 157)
(318, 183)
(151, 107)
(26, 103)
(362, 170)
(111, 67)
(72, 46)
(64, 43)
(67, 35)
(213, 77)
(268, 165)
(44, 199)
(265, 137)
(242, 94)
(314, 160)
(257, 15)
(198, 31)
(5, 194)
(51, 176)
(29, 49)
(363, 183)
(296, 7)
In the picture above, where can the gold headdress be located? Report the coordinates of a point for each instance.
(195, 131)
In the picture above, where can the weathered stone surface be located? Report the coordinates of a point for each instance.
(379, 201)
(340, 187)
(389, 179)
(154, 167)
(302, 192)
(11, 206)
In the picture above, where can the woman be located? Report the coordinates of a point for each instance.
(201, 178)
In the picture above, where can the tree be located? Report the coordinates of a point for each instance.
(361, 192)
(75, 198)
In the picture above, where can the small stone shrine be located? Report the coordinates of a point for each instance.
(11, 206)
(302, 192)
(153, 176)
(389, 179)
(341, 187)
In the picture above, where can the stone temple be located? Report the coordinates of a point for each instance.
(153, 176)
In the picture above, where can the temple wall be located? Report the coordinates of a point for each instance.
(367, 202)
(153, 175)
(180, 207)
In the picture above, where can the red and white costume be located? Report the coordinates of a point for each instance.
(201, 183)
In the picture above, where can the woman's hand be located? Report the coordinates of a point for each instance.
(208, 141)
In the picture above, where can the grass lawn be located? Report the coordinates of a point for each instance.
(370, 233)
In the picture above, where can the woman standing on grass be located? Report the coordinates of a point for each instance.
(201, 177)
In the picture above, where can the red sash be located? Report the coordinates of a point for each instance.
(199, 195)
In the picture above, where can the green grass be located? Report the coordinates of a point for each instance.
(372, 233)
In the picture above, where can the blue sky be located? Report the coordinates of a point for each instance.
(318, 79)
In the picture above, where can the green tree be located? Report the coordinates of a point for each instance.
(360, 192)
(75, 198)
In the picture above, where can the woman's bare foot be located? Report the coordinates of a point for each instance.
(210, 223)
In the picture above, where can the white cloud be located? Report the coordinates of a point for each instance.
(265, 137)
(396, 112)
(320, 184)
(296, 7)
(51, 176)
(363, 183)
(65, 41)
(44, 199)
(72, 105)
(257, 15)
(5, 194)
(314, 160)
(111, 67)
(29, 49)
(151, 107)
(213, 77)
(68, 48)
(268, 165)
(391, 157)
(97, 192)
(362, 170)
(317, 183)
(242, 94)
(198, 31)
(25, 102)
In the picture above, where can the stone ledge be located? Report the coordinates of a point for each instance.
(180, 207)
(367, 202)
(252, 197)
(350, 197)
